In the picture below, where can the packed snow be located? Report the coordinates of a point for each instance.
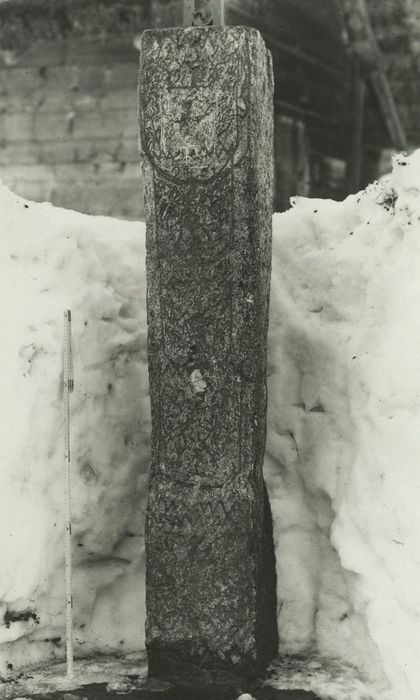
(342, 445)
(52, 260)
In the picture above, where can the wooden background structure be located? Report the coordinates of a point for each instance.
(68, 117)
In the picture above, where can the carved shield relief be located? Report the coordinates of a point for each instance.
(197, 136)
(193, 119)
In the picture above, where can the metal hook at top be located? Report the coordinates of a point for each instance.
(203, 13)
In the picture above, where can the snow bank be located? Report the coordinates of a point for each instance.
(342, 444)
(53, 259)
(344, 440)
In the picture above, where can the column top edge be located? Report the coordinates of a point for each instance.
(166, 32)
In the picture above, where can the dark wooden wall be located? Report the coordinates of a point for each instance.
(68, 116)
(314, 87)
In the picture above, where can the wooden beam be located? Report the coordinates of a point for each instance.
(382, 90)
(269, 34)
(305, 114)
(362, 42)
(354, 162)
(188, 10)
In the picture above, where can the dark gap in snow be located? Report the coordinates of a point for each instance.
(21, 616)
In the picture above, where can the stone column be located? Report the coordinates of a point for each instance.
(206, 131)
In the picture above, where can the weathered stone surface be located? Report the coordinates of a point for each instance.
(206, 145)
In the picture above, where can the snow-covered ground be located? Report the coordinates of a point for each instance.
(342, 446)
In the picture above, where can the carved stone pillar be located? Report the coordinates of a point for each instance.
(206, 131)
